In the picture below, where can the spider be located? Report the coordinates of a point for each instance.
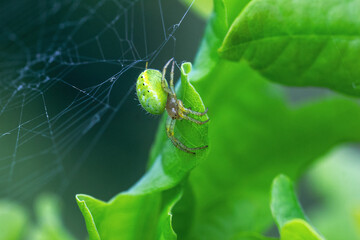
(155, 96)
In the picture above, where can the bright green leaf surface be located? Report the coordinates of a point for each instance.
(250, 123)
(250, 236)
(284, 204)
(287, 212)
(298, 229)
(301, 43)
(13, 221)
(129, 216)
(254, 135)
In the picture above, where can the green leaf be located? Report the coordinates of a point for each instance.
(254, 136)
(49, 224)
(250, 236)
(129, 216)
(299, 43)
(287, 212)
(13, 221)
(284, 204)
(225, 12)
(298, 229)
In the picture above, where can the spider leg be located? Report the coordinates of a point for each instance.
(172, 88)
(163, 80)
(188, 110)
(184, 116)
(170, 125)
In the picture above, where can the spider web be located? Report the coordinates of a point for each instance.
(65, 68)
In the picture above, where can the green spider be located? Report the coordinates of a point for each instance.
(155, 96)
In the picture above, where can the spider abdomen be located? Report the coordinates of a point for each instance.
(151, 95)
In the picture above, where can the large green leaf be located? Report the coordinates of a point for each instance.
(287, 212)
(300, 43)
(129, 216)
(254, 135)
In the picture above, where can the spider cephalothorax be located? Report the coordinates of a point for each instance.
(155, 96)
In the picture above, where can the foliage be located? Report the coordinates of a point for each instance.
(15, 222)
(287, 212)
(254, 133)
(301, 43)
